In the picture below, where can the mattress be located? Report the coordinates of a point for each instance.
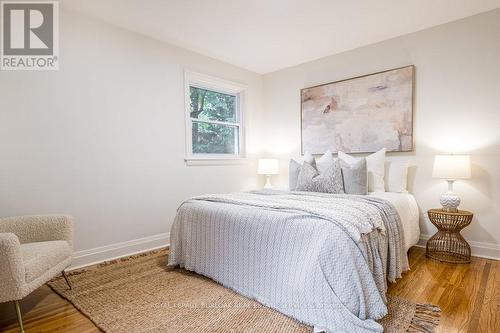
(407, 208)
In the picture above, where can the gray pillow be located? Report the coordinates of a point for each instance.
(355, 177)
(293, 174)
(294, 170)
(328, 182)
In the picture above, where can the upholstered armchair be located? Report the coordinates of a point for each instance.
(33, 249)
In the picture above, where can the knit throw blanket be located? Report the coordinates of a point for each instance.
(323, 259)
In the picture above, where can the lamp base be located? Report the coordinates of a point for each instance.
(268, 185)
(450, 202)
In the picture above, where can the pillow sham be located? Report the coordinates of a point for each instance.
(396, 177)
(375, 167)
(328, 182)
(355, 177)
(294, 169)
(324, 162)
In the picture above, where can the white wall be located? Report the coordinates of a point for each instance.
(103, 138)
(457, 108)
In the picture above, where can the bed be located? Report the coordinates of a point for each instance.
(323, 259)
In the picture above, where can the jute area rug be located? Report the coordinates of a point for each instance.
(140, 294)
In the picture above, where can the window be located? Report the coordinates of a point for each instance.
(213, 118)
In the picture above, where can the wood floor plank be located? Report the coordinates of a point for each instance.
(468, 294)
(458, 298)
(489, 320)
(479, 300)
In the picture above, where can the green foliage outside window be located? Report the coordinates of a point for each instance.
(210, 138)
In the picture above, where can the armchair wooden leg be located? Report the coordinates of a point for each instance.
(67, 281)
(19, 317)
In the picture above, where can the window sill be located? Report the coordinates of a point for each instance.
(196, 161)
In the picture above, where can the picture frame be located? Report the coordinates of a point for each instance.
(361, 114)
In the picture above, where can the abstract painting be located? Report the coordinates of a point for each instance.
(360, 115)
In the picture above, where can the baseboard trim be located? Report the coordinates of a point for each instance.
(117, 250)
(478, 249)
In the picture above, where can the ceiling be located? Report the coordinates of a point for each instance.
(268, 35)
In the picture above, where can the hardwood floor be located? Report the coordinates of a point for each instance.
(469, 296)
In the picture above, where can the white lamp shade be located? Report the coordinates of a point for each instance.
(268, 166)
(451, 167)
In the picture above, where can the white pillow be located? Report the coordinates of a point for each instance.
(396, 177)
(308, 158)
(375, 167)
(325, 162)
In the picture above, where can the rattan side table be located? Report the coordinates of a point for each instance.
(447, 244)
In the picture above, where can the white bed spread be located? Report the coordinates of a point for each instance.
(407, 208)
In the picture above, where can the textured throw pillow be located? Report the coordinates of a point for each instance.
(355, 177)
(396, 177)
(294, 169)
(374, 165)
(328, 182)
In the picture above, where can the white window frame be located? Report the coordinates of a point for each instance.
(208, 82)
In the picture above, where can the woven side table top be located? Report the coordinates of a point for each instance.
(448, 244)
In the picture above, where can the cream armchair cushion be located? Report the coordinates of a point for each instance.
(40, 257)
(33, 249)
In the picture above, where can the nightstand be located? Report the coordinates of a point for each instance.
(447, 244)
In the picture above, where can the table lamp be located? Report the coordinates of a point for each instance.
(451, 168)
(268, 167)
